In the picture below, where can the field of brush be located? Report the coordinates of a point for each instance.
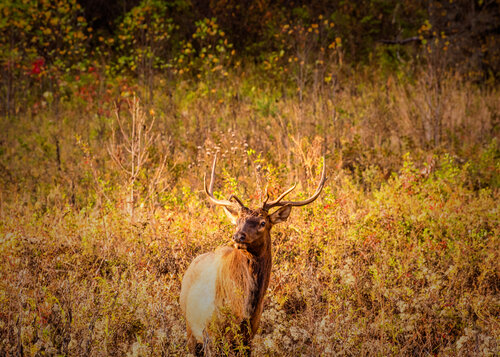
(102, 209)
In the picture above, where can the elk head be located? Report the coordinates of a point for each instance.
(253, 224)
(234, 278)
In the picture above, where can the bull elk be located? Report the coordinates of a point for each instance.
(236, 278)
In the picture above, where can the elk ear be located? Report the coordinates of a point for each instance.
(231, 213)
(280, 215)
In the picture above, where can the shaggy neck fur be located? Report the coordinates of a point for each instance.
(242, 280)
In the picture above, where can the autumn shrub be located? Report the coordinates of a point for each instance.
(41, 41)
(146, 40)
(208, 54)
(305, 53)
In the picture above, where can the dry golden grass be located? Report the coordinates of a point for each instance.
(399, 256)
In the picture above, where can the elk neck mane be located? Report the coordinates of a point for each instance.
(242, 278)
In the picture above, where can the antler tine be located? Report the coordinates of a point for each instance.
(279, 203)
(237, 200)
(212, 198)
(267, 196)
(266, 206)
(210, 191)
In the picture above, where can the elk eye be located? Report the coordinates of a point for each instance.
(263, 223)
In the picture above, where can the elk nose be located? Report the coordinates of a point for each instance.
(239, 237)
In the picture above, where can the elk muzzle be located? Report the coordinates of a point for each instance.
(240, 237)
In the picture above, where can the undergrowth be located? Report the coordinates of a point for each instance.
(398, 256)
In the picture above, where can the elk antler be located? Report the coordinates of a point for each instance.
(210, 191)
(278, 203)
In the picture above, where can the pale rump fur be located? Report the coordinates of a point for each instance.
(197, 297)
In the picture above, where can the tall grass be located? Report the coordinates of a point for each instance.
(399, 256)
